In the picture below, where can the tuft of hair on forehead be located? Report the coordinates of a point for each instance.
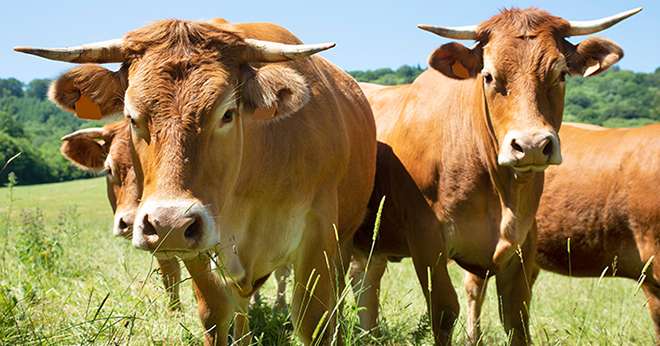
(182, 64)
(516, 22)
(181, 37)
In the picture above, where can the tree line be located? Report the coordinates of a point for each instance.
(32, 126)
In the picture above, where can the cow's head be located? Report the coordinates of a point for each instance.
(522, 58)
(191, 91)
(107, 149)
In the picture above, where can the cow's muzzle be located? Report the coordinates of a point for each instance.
(175, 227)
(526, 151)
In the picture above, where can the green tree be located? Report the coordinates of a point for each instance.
(11, 87)
(29, 166)
(38, 88)
(10, 126)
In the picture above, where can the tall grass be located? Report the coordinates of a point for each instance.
(99, 290)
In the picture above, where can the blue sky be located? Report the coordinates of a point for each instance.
(369, 34)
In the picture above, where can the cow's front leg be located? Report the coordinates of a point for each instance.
(428, 250)
(214, 300)
(170, 272)
(241, 333)
(475, 290)
(514, 288)
(652, 292)
(651, 288)
(366, 287)
(313, 305)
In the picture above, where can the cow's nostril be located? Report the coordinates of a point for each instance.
(516, 146)
(122, 224)
(547, 149)
(194, 231)
(147, 227)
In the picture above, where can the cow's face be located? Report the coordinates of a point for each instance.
(190, 91)
(521, 61)
(107, 150)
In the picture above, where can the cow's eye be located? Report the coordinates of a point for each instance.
(228, 116)
(488, 77)
(111, 171)
(562, 76)
(131, 120)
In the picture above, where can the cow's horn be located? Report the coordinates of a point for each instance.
(587, 27)
(98, 52)
(468, 32)
(268, 51)
(92, 132)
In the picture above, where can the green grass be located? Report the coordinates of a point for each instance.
(97, 289)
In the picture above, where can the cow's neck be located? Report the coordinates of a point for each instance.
(518, 194)
(265, 192)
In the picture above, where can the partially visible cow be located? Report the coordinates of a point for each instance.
(238, 154)
(477, 130)
(107, 149)
(604, 203)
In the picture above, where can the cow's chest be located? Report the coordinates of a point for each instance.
(476, 224)
(261, 237)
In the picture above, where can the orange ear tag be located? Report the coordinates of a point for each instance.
(459, 70)
(86, 108)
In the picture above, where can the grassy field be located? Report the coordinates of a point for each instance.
(65, 280)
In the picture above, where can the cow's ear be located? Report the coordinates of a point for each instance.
(90, 91)
(593, 56)
(272, 91)
(454, 60)
(87, 148)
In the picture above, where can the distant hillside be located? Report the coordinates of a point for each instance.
(32, 125)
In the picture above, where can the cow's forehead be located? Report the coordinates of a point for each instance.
(173, 88)
(513, 56)
(179, 67)
(522, 41)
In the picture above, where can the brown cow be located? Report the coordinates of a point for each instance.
(107, 149)
(238, 154)
(609, 211)
(477, 130)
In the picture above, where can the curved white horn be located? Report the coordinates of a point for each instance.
(98, 52)
(587, 27)
(468, 32)
(268, 51)
(92, 132)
